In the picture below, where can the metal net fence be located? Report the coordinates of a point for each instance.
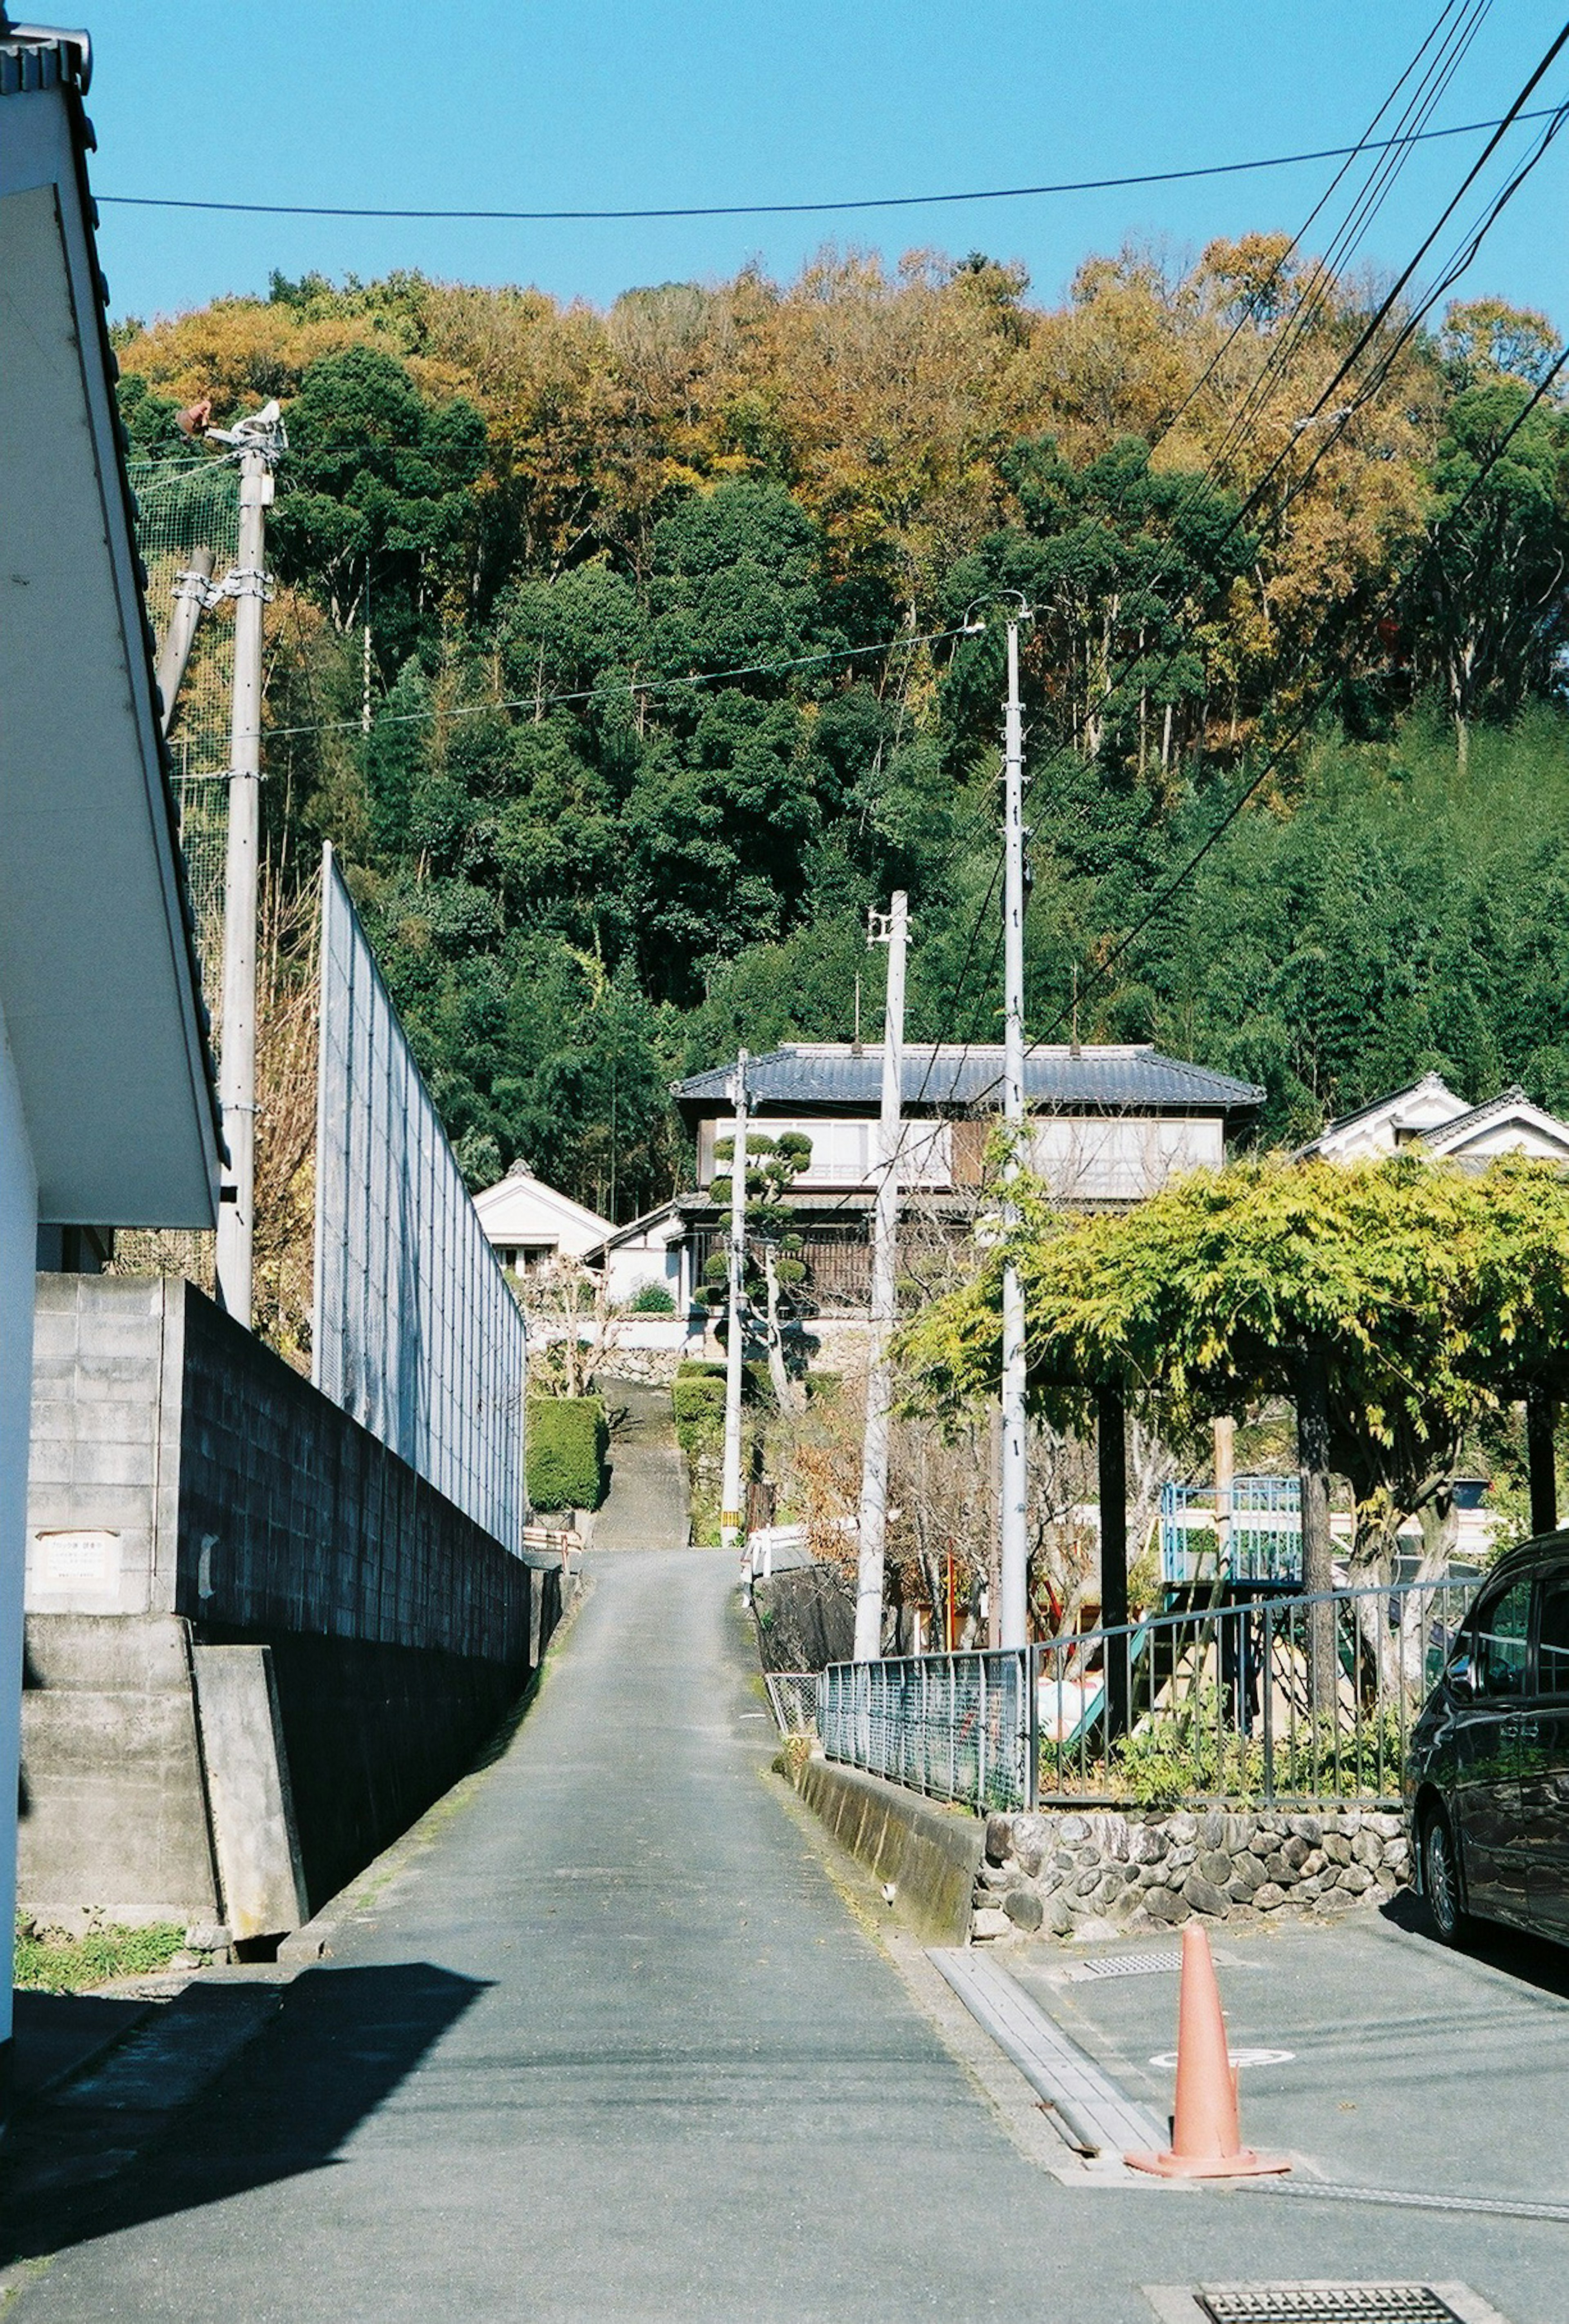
(1270, 1698)
(415, 1330)
(956, 1726)
(793, 1695)
(184, 505)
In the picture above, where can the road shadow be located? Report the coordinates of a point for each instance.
(1531, 1960)
(56, 2032)
(342, 2043)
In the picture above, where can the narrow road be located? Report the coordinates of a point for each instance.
(646, 1508)
(614, 2047)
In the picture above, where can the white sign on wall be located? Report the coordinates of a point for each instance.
(79, 1562)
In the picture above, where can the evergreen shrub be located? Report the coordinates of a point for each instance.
(569, 1438)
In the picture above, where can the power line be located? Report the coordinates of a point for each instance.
(802, 209)
(1100, 969)
(608, 690)
(1392, 152)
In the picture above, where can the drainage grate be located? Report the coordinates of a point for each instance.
(1127, 1965)
(1326, 2303)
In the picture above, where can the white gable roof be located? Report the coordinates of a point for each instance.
(1389, 1123)
(521, 1210)
(1508, 1124)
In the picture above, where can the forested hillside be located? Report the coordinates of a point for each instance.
(667, 683)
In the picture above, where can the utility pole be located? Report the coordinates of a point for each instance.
(258, 441)
(731, 1516)
(193, 593)
(1015, 1481)
(892, 929)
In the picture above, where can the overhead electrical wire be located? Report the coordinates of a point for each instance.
(1099, 970)
(783, 209)
(1433, 83)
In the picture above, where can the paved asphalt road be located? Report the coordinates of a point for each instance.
(615, 2048)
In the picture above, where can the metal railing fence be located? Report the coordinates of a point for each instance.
(1265, 1698)
(792, 1697)
(1250, 1530)
(956, 1726)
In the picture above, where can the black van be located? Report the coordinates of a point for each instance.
(1487, 1776)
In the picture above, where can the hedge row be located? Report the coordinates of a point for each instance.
(568, 1439)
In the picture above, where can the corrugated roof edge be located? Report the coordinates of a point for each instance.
(33, 59)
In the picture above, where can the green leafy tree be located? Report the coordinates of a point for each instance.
(1425, 1295)
(775, 1274)
(380, 497)
(1491, 611)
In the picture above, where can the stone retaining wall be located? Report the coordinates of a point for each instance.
(1099, 1873)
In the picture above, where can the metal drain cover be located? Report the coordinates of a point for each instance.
(1126, 1965)
(1326, 2303)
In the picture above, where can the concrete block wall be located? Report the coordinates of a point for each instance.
(104, 1467)
(185, 1479)
(294, 1518)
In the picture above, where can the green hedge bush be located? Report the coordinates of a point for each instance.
(568, 1439)
(651, 1300)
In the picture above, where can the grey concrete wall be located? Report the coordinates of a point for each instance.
(182, 1474)
(113, 1820)
(930, 1854)
(249, 1797)
(104, 1474)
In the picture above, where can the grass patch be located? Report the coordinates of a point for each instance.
(50, 1962)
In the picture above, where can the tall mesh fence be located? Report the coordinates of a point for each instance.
(183, 506)
(415, 1330)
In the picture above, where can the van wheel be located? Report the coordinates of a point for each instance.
(1441, 1881)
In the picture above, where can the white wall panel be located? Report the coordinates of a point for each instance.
(416, 1333)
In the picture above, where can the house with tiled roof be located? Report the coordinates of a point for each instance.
(1429, 1118)
(1109, 1123)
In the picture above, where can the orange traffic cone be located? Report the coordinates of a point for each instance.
(1206, 2142)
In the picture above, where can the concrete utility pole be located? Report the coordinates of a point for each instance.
(193, 593)
(1016, 1481)
(892, 929)
(733, 1520)
(258, 441)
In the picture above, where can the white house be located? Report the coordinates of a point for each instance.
(528, 1225)
(1430, 1118)
(649, 1250)
(107, 1111)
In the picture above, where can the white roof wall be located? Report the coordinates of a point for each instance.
(96, 972)
(1515, 1127)
(1376, 1129)
(520, 1210)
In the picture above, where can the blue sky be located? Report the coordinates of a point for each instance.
(586, 103)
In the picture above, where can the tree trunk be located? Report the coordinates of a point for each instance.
(1317, 1568)
(1541, 1458)
(1111, 1438)
(783, 1386)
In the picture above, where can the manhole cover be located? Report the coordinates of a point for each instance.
(1327, 2303)
(1127, 1965)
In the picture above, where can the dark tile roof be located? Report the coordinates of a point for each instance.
(969, 1075)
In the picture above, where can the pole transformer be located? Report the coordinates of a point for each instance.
(259, 442)
(732, 1522)
(891, 928)
(1014, 1480)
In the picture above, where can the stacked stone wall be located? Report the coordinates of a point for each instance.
(1096, 1874)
